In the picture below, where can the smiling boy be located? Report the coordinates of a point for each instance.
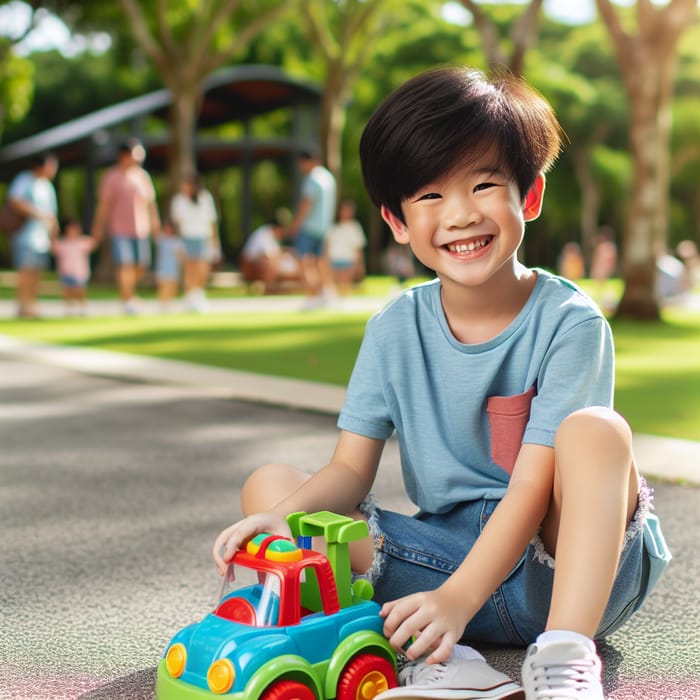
(533, 524)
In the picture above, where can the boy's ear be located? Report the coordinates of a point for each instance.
(533, 199)
(398, 228)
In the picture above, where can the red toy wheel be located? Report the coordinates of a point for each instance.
(365, 677)
(288, 690)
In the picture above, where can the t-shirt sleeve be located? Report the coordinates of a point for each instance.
(365, 411)
(310, 189)
(20, 187)
(577, 372)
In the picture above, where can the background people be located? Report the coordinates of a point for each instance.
(345, 242)
(72, 253)
(127, 210)
(170, 255)
(264, 261)
(604, 266)
(570, 264)
(312, 219)
(193, 215)
(32, 194)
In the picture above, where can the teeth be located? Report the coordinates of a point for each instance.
(468, 247)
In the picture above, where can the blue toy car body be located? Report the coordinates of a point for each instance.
(292, 634)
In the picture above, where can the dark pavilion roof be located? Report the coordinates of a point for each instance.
(235, 94)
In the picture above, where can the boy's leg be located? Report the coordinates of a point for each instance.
(272, 483)
(594, 499)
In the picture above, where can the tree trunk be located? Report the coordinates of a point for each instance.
(183, 119)
(647, 62)
(333, 120)
(647, 220)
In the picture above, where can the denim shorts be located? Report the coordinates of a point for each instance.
(308, 244)
(73, 282)
(26, 256)
(195, 248)
(418, 553)
(127, 250)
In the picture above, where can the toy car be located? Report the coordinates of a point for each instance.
(301, 631)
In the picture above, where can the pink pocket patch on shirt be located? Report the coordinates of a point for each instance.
(508, 416)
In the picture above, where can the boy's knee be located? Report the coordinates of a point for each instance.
(268, 485)
(595, 427)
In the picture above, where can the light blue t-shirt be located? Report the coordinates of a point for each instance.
(38, 191)
(462, 411)
(319, 187)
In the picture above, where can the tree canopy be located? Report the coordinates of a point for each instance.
(360, 50)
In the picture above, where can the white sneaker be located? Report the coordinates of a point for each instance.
(132, 306)
(196, 300)
(310, 303)
(458, 679)
(562, 670)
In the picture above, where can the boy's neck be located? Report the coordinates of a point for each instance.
(477, 314)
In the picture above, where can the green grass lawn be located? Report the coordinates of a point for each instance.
(658, 364)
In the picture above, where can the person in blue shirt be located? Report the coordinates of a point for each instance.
(532, 523)
(314, 215)
(32, 194)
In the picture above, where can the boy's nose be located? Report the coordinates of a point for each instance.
(459, 212)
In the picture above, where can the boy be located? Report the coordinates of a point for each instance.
(498, 380)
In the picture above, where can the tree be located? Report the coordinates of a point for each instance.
(187, 41)
(523, 35)
(16, 73)
(647, 63)
(340, 33)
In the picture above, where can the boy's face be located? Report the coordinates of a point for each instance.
(467, 225)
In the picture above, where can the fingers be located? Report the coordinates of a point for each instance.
(218, 550)
(235, 536)
(417, 627)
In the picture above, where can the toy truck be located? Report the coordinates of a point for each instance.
(303, 630)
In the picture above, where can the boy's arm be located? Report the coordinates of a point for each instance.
(340, 487)
(437, 618)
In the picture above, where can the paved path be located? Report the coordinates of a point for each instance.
(116, 472)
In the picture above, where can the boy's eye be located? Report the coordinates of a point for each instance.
(427, 195)
(484, 186)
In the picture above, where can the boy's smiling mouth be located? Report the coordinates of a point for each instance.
(470, 246)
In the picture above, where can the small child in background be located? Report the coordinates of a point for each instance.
(72, 253)
(170, 253)
(344, 243)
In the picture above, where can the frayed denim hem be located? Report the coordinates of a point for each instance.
(644, 506)
(368, 508)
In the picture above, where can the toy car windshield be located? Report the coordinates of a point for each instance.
(254, 598)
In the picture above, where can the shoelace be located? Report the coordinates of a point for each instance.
(420, 673)
(571, 680)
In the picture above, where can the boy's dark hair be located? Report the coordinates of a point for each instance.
(450, 117)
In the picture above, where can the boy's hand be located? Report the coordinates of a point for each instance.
(433, 619)
(233, 537)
